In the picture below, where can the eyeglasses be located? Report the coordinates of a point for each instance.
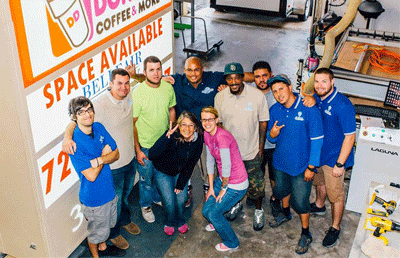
(82, 112)
(208, 120)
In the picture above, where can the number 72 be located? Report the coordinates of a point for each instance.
(49, 166)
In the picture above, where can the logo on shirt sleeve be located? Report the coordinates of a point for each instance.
(299, 116)
(101, 139)
(328, 111)
(207, 90)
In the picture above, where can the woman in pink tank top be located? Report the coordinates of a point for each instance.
(231, 184)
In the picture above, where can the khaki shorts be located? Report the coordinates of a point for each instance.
(100, 220)
(334, 185)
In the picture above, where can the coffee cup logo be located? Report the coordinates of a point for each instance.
(72, 19)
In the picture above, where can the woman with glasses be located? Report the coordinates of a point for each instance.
(174, 155)
(231, 184)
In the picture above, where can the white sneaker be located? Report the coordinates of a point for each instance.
(158, 203)
(148, 214)
(210, 227)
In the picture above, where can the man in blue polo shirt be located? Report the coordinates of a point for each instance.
(338, 116)
(298, 134)
(95, 150)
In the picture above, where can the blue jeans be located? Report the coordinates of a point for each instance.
(295, 186)
(148, 192)
(214, 213)
(124, 179)
(174, 204)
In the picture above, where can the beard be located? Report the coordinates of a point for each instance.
(153, 82)
(323, 94)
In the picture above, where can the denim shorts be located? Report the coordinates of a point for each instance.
(295, 186)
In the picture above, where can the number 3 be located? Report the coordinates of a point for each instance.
(79, 215)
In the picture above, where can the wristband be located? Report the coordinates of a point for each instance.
(339, 165)
(312, 169)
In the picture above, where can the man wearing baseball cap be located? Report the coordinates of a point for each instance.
(244, 112)
(298, 134)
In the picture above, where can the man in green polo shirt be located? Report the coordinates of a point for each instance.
(153, 109)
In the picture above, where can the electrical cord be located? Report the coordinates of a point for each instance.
(337, 5)
(381, 58)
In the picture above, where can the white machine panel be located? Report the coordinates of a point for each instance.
(265, 5)
(376, 159)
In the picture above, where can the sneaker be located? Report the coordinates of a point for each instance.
(331, 237)
(132, 228)
(279, 220)
(205, 190)
(158, 203)
(250, 202)
(234, 211)
(276, 206)
(148, 214)
(316, 210)
(223, 248)
(183, 229)
(210, 227)
(304, 243)
(169, 230)
(190, 193)
(258, 222)
(120, 242)
(112, 251)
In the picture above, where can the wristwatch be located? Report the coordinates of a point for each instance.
(312, 169)
(339, 165)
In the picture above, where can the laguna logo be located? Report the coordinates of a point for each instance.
(385, 151)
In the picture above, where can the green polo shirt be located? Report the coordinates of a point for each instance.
(151, 107)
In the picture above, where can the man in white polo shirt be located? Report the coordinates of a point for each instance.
(244, 112)
(114, 111)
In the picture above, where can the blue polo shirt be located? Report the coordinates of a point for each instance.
(88, 147)
(302, 132)
(339, 119)
(193, 99)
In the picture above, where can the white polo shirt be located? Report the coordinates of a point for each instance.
(240, 115)
(116, 116)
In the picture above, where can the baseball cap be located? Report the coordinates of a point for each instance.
(279, 78)
(233, 68)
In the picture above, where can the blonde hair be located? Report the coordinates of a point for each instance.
(213, 111)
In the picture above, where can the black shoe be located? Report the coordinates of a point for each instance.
(316, 210)
(205, 190)
(249, 201)
(304, 243)
(190, 193)
(112, 251)
(276, 206)
(234, 211)
(331, 237)
(279, 220)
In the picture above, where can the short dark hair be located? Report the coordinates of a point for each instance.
(77, 103)
(119, 71)
(262, 65)
(324, 70)
(150, 59)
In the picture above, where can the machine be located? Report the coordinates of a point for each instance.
(376, 159)
(283, 8)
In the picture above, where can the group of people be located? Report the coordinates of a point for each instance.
(232, 130)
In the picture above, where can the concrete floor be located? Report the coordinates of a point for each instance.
(281, 42)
